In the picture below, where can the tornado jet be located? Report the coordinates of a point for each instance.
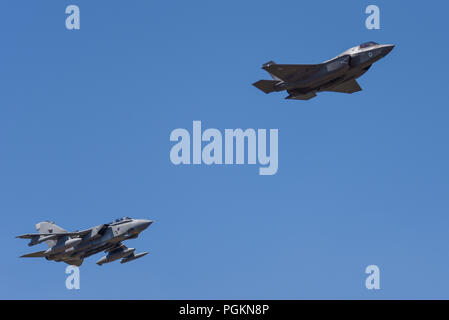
(73, 247)
(303, 81)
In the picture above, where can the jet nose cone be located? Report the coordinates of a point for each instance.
(145, 223)
(387, 48)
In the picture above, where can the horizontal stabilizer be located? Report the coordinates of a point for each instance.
(38, 254)
(266, 86)
(32, 235)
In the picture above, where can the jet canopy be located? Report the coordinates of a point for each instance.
(119, 220)
(368, 44)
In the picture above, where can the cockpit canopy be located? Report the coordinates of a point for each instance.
(121, 220)
(367, 44)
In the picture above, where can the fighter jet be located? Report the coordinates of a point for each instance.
(303, 81)
(73, 247)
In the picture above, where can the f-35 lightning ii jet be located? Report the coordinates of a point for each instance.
(303, 81)
(73, 247)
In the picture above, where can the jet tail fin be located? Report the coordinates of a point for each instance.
(49, 227)
(269, 64)
(266, 86)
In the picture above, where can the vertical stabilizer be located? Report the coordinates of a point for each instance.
(269, 64)
(49, 227)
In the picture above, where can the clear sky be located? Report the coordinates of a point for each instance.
(85, 120)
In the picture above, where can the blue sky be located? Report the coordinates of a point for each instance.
(363, 179)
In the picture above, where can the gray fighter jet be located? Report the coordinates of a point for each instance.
(73, 247)
(303, 81)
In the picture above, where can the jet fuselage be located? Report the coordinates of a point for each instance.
(73, 247)
(303, 81)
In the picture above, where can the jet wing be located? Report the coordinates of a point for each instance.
(350, 86)
(38, 254)
(55, 234)
(290, 72)
(37, 238)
